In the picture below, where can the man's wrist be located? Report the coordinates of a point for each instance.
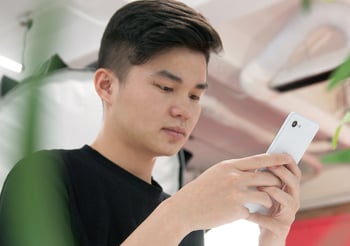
(268, 238)
(175, 217)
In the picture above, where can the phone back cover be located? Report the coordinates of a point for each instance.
(294, 140)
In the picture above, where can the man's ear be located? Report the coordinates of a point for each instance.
(105, 82)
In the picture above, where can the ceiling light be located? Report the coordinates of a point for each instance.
(10, 64)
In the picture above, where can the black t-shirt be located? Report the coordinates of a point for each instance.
(76, 197)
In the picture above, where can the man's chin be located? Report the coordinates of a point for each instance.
(170, 152)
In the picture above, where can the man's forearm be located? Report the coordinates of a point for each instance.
(162, 227)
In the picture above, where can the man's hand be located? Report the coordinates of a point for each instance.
(276, 225)
(218, 195)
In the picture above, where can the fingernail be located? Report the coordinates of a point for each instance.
(260, 188)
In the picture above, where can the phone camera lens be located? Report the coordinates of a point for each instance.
(295, 123)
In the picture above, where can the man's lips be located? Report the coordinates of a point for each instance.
(175, 130)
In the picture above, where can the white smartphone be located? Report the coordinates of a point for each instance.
(293, 138)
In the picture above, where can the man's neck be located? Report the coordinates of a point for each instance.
(133, 161)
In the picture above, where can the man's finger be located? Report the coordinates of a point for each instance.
(262, 161)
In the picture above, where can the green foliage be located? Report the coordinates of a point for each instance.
(340, 74)
(33, 210)
(337, 78)
(337, 157)
(345, 120)
(306, 4)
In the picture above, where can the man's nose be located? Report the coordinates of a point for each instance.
(180, 110)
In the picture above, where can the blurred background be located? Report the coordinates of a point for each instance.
(278, 57)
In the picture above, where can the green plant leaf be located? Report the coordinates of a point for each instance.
(306, 4)
(339, 75)
(341, 156)
(345, 120)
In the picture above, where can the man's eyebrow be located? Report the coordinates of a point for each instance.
(177, 79)
(202, 86)
(169, 75)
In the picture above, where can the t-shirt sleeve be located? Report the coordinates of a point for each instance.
(34, 205)
(194, 238)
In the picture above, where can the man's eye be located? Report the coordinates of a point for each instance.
(165, 88)
(195, 97)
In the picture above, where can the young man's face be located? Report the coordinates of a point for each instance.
(158, 104)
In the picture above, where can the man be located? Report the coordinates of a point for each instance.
(152, 72)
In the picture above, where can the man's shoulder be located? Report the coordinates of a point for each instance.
(45, 161)
(43, 157)
(39, 171)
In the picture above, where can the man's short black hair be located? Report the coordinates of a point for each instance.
(142, 29)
